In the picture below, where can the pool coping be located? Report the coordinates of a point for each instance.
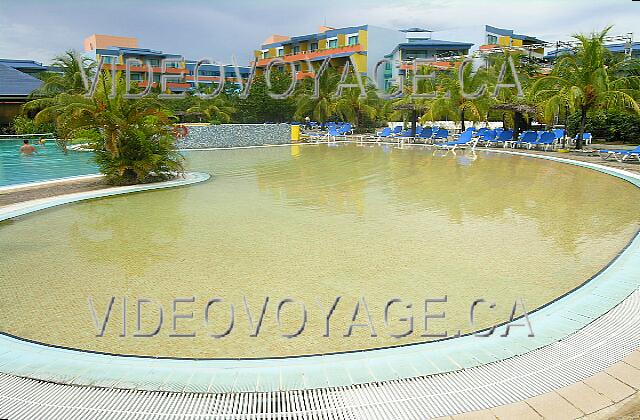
(553, 322)
(35, 184)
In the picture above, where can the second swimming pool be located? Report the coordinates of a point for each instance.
(48, 162)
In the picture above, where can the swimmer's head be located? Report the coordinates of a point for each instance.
(25, 141)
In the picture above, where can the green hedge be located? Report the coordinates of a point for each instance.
(608, 126)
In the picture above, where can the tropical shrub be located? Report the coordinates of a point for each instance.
(143, 157)
(134, 142)
(25, 125)
(608, 126)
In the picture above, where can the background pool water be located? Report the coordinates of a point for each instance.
(312, 223)
(49, 162)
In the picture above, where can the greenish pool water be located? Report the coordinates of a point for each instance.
(48, 162)
(311, 223)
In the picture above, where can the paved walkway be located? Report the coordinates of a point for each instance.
(600, 396)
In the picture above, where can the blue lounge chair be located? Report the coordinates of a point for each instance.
(441, 134)
(406, 135)
(621, 155)
(385, 133)
(465, 139)
(333, 133)
(396, 130)
(586, 138)
(527, 138)
(486, 137)
(425, 134)
(503, 138)
(547, 139)
(346, 128)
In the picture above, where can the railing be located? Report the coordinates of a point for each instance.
(317, 52)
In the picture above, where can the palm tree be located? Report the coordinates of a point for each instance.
(581, 82)
(451, 104)
(322, 107)
(216, 110)
(69, 77)
(136, 142)
(352, 108)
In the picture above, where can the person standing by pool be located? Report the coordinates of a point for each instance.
(27, 149)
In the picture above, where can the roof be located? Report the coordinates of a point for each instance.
(330, 33)
(511, 34)
(215, 68)
(432, 44)
(134, 51)
(415, 30)
(615, 48)
(15, 83)
(22, 64)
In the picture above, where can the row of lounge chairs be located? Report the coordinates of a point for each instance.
(333, 131)
(471, 137)
(621, 155)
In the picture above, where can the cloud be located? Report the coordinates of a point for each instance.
(196, 29)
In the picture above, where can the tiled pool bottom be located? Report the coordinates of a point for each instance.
(47, 163)
(561, 319)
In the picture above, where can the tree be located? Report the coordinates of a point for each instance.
(68, 77)
(135, 144)
(259, 107)
(352, 108)
(581, 82)
(450, 102)
(216, 110)
(322, 107)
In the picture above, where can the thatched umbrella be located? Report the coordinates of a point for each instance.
(414, 114)
(519, 112)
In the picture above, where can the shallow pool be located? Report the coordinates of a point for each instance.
(49, 162)
(366, 224)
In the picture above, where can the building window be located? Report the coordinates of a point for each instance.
(137, 77)
(295, 49)
(280, 52)
(265, 54)
(297, 67)
(332, 43)
(352, 40)
(314, 46)
(492, 39)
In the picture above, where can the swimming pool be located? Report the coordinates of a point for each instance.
(313, 223)
(49, 162)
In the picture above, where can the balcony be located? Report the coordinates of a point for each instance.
(170, 85)
(191, 78)
(143, 69)
(304, 55)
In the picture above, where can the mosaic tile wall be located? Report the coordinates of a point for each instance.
(233, 135)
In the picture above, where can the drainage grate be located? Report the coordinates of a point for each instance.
(584, 353)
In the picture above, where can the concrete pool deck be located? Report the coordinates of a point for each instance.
(577, 336)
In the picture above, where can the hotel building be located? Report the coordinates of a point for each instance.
(365, 45)
(117, 50)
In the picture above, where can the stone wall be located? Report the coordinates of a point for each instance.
(233, 135)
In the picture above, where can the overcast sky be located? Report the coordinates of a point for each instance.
(38, 30)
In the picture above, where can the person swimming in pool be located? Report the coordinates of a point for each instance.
(27, 149)
(42, 141)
